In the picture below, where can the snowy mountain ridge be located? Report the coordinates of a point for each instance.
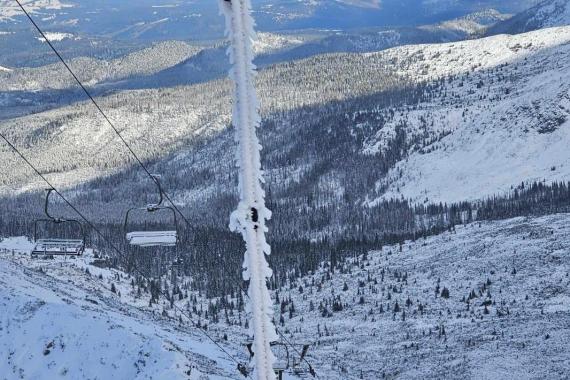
(546, 14)
(157, 59)
(476, 23)
(9, 9)
(503, 120)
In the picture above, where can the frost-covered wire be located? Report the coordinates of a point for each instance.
(251, 215)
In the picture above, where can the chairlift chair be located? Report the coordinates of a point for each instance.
(147, 238)
(54, 245)
(297, 365)
(285, 362)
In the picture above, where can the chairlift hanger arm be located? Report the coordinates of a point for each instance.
(151, 210)
(46, 208)
(156, 206)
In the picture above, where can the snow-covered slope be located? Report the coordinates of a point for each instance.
(94, 71)
(496, 118)
(549, 13)
(60, 319)
(486, 300)
(506, 315)
(501, 120)
(475, 23)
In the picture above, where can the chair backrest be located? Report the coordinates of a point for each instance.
(59, 245)
(72, 247)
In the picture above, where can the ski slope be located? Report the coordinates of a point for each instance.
(57, 321)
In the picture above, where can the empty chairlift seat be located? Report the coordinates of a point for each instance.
(74, 247)
(152, 238)
(58, 245)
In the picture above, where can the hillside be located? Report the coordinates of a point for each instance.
(148, 65)
(503, 121)
(56, 314)
(94, 71)
(475, 24)
(9, 9)
(480, 300)
(546, 14)
(448, 102)
(504, 314)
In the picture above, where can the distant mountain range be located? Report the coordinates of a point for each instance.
(107, 29)
(173, 19)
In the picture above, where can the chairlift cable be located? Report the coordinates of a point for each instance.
(99, 109)
(127, 145)
(117, 250)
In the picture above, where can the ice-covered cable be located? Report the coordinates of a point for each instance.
(251, 215)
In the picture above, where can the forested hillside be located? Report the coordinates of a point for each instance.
(402, 187)
(353, 142)
(476, 301)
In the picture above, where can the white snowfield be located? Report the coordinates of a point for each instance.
(9, 9)
(504, 118)
(61, 322)
(55, 36)
(271, 42)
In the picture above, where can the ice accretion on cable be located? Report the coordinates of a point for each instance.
(251, 214)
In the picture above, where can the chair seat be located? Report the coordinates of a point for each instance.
(152, 238)
(279, 365)
(59, 247)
